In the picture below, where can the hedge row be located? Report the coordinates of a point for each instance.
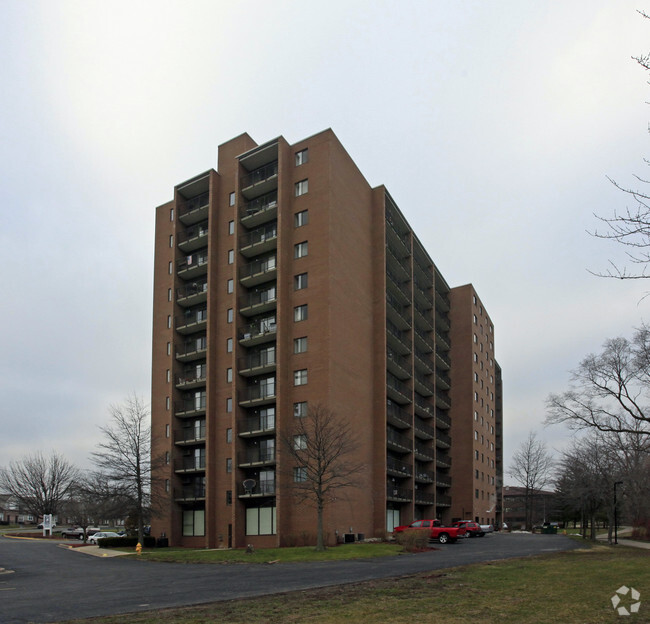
(125, 542)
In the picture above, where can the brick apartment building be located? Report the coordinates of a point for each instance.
(283, 280)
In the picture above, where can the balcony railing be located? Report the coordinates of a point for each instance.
(424, 476)
(189, 435)
(190, 407)
(443, 500)
(189, 492)
(192, 349)
(189, 464)
(398, 391)
(258, 329)
(398, 468)
(397, 493)
(257, 393)
(424, 429)
(397, 416)
(260, 175)
(443, 440)
(424, 498)
(256, 456)
(443, 460)
(191, 321)
(424, 451)
(259, 300)
(442, 419)
(258, 271)
(256, 424)
(260, 207)
(260, 360)
(398, 441)
(267, 488)
(423, 407)
(195, 203)
(189, 290)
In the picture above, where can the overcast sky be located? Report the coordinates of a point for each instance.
(492, 124)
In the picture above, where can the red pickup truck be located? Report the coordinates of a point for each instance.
(438, 532)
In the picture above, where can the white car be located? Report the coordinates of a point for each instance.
(487, 528)
(93, 539)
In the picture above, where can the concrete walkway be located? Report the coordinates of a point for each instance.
(95, 551)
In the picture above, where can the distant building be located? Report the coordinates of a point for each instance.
(283, 280)
(11, 513)
(543, 507)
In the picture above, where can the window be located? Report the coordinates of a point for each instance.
(167, 403)
(302, 157)
(300, 377)
(299, 313)
(475, 319)
(231, 256)
(229, 345)
(299, 474)
(193, 522)
(166, 431)
(260, 521)
(229, 315)
(300, 409)
(169, 321)
(302, 187)
(167, 485)
(299, 442)
(229, 435)
(229, 375)
(228, 405)
(171, 267)
(300, 345)
(300, 281)
(168, 376)
(169, 348)
(300, 250)
(231, 227)
(171, 214)
(231, 199)
(169, 294)
(301, 218)
(228, 464)
(171, 240)
(228, 497)
(231, 286)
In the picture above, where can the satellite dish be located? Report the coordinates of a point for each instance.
(249, 484)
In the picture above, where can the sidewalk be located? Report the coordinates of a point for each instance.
(95, 551)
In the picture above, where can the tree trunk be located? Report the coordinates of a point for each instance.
(320, 543)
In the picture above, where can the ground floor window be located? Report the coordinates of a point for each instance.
(260, 521)
(392, 519)
(193, 522)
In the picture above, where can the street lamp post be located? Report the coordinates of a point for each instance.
(616, 512)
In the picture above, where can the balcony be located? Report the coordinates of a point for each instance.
(442, 341)
(257, 272)
(423, 407)
(258, 301)
(267, 488)
(256, 457)
(424, 476)
(398, 417)
(189, 408)
(259, 241)
(260, 210)
(261, 181)
(194, 210)
(398, 314)
(192, 321)
(443, 381)
(443, 360)
(442, 420)
(423, 430)
(423, 385)
(394, 493)
(189, 436)
(396, 390)
(443, 461)
(189, 493)
(191, 380)
(442, 323)
(257, 395)
(401, 290)
(443, 440)
(423, 296)
(423, 342)
(400, 267)
(442, 500)
(193, 349)
(192, 266)
(398, 442)
(442, 400)
(193, 238)
(424, 498)
(443, 480)
(424, 362)
(424, 452)
(256, 425)
(397, 339)
(192, 294)
(442, 301)
(423, 318)
(257, 363)
(258, 332)
(188, 465)
(399, 365)
(398, 468)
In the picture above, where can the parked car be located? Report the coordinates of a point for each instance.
(40, 526)
(487, 528)
(93, 539)
(437, 531)
(473, 528)
(78, 532)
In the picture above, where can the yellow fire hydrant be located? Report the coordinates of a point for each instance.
(138, 548)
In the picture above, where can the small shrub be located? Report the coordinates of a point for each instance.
(413, 540)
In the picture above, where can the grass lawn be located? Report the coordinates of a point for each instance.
(573, 588)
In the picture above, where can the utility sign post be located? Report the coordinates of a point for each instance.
(47, 524)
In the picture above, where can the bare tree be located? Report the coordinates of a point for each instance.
(321, 446)
(630, 228)
(40, 484)
(609, 390)
(531, 468)
(124, 456)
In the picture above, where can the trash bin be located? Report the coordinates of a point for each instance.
(348, 538)
(162, 542)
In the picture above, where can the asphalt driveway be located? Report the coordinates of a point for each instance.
(43, 582)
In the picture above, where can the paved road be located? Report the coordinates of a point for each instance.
(50, 583)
